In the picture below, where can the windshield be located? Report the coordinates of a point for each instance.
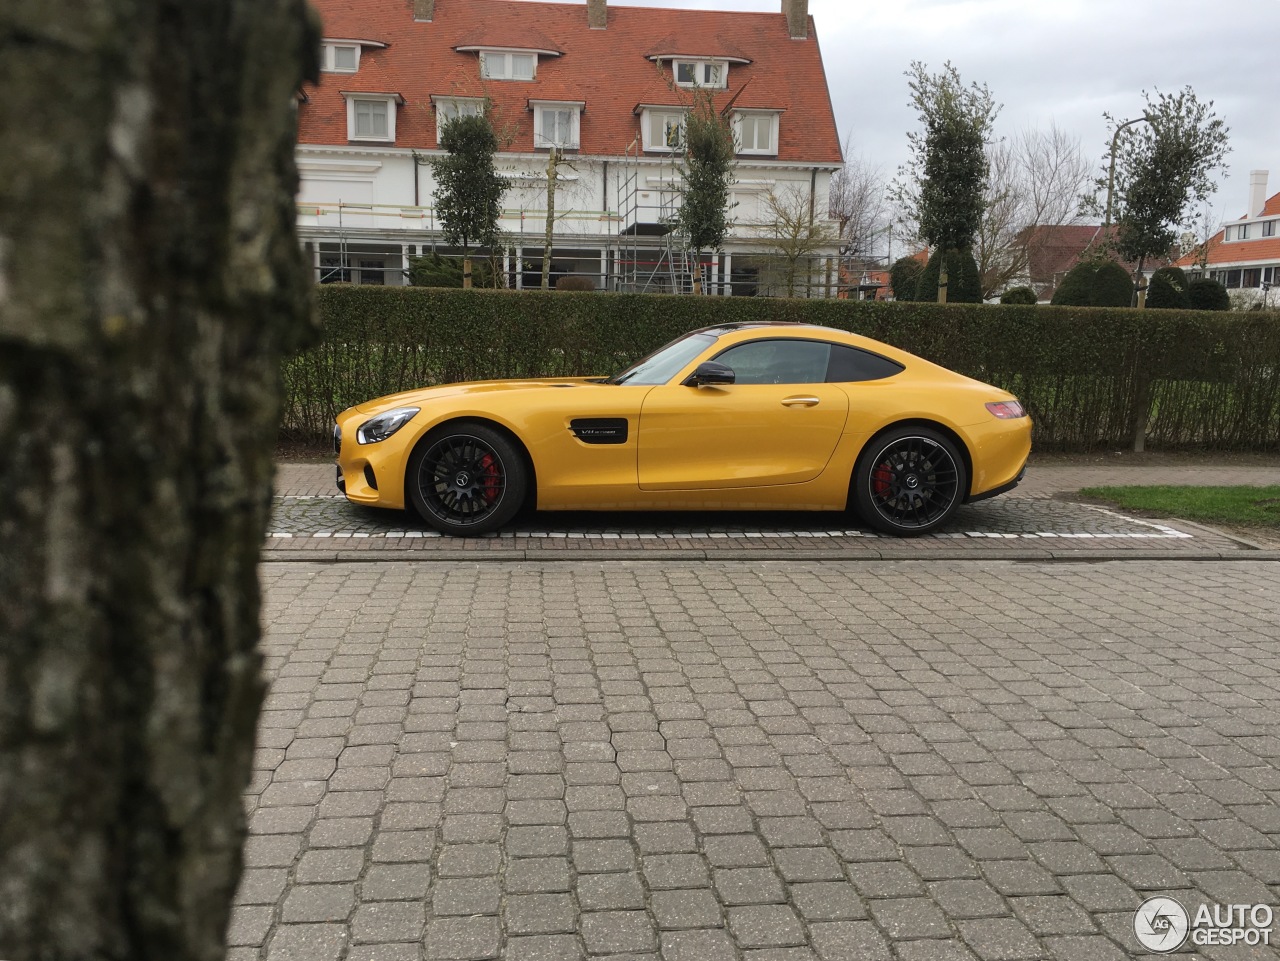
(665, 362)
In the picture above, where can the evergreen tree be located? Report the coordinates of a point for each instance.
(1019, 295)
(1112, 286)
(709, 152)
(1163, 169)
(1207, 294)
(1168, 289)
(904, 277)
(942, 187)
(964, 285)
(468, 190)
(1076, 289)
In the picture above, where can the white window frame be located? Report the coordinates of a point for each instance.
(449, 107)
(328, 57)
(701, 69)
(541, 108)
(1243, 232)
(390, 100)
(498, 64)
(650, 115)
(771, 116)
(1268, 228)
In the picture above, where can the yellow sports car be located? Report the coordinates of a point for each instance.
(739, 417)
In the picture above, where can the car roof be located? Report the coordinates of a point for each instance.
(719, 329)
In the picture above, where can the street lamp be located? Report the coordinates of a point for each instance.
(1139, 291)
(1111, 174)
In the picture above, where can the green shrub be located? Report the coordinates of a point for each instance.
(904, 278)
(1076, 289)
(963, 283)
(1207, 294)
(1019, 295)
(1112, 286)
(1168, 290)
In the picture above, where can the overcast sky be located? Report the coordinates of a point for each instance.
(1051, 61)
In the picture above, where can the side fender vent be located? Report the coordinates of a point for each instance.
(600, 430)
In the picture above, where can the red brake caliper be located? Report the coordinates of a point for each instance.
(882, 481)
(490, 478)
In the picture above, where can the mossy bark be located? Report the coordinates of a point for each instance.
(150, 281)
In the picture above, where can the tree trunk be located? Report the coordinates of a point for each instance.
(466, 272)
(552, 170)
(942, 278)
(697, 271)
(150, 279)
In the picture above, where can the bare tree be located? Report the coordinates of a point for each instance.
(1036, 180)
(150, 281)
(797, 237)
(859, 206)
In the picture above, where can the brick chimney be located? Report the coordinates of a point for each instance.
(424, 9)
(597, 14)
(797, 14)
(1257, 191)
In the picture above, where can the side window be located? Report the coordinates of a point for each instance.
(849, 364)
(778, 361)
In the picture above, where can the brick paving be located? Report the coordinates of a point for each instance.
(1037, 521)
(775, 760)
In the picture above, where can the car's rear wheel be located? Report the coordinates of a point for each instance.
(467, 480)
(909, 481)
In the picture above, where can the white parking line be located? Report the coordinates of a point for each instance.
(1154, 531)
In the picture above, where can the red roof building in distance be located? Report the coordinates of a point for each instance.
(1245, 254)
(608, 86)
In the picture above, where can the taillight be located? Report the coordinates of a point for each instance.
(1006, 409)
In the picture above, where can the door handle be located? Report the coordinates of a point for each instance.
(800, 402)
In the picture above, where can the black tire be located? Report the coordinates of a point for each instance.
(909, 481)
(466, 480)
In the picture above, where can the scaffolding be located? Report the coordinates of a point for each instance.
(649, 255)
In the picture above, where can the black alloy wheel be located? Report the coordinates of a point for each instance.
(909, 481)
(467, 480)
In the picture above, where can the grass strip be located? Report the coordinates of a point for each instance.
(1244, 506)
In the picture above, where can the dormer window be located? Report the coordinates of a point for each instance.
(700, 73)
(340, 57)
(507, 65)
(756, 132)
(343, 56)
(662, 128)
(372, 116)
(556, 124)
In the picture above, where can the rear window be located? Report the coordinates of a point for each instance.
(850, 364)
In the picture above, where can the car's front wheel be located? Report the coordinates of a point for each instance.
(909, 481)
(467, 480)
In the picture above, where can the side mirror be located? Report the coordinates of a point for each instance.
(710, 374)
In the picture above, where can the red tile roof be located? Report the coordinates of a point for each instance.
(1238, 251)
(608, 69)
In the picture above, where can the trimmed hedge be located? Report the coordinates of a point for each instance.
(1205, 379)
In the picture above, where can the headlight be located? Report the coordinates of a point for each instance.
(385, 424)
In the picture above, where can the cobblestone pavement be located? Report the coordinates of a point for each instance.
(336, 518)
(1035, 520)
(778, 760)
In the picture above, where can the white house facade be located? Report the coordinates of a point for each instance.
(608, 88)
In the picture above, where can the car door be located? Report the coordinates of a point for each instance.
(777, 424)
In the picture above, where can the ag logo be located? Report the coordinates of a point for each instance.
(1161, 924)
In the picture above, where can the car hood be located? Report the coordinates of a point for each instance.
(424, 395)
